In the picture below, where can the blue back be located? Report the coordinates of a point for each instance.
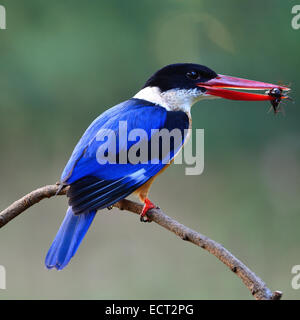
(96, 186)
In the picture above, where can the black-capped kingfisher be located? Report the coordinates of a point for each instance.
(164, 102)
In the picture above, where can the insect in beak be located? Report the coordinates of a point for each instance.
(278, 95)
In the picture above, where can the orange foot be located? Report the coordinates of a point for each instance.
(147, 206)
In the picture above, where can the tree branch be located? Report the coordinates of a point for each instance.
(256, 286)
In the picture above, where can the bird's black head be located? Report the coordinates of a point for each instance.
(180, 76)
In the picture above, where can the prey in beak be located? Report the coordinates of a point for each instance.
(221, 87)
(278, 94)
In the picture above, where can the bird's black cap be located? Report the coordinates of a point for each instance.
(180, 76)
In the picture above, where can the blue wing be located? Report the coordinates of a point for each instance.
(96, 186)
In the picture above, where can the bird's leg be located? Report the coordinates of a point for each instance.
(119, 204)
(147, 206)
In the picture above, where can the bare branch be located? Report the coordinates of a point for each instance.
(256, 286)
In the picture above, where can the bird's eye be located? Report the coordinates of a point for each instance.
(194, 75)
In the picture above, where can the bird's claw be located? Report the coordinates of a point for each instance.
(147, 206)
(144, 219)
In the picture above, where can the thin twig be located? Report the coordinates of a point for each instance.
(256, 286)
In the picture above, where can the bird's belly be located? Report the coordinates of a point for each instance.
(143, 190)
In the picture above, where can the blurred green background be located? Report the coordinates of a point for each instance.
(62, 63)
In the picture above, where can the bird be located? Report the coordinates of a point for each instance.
(164, 102)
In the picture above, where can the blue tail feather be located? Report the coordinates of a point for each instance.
(68, 238)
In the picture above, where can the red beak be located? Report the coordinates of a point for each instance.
(219, 87)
